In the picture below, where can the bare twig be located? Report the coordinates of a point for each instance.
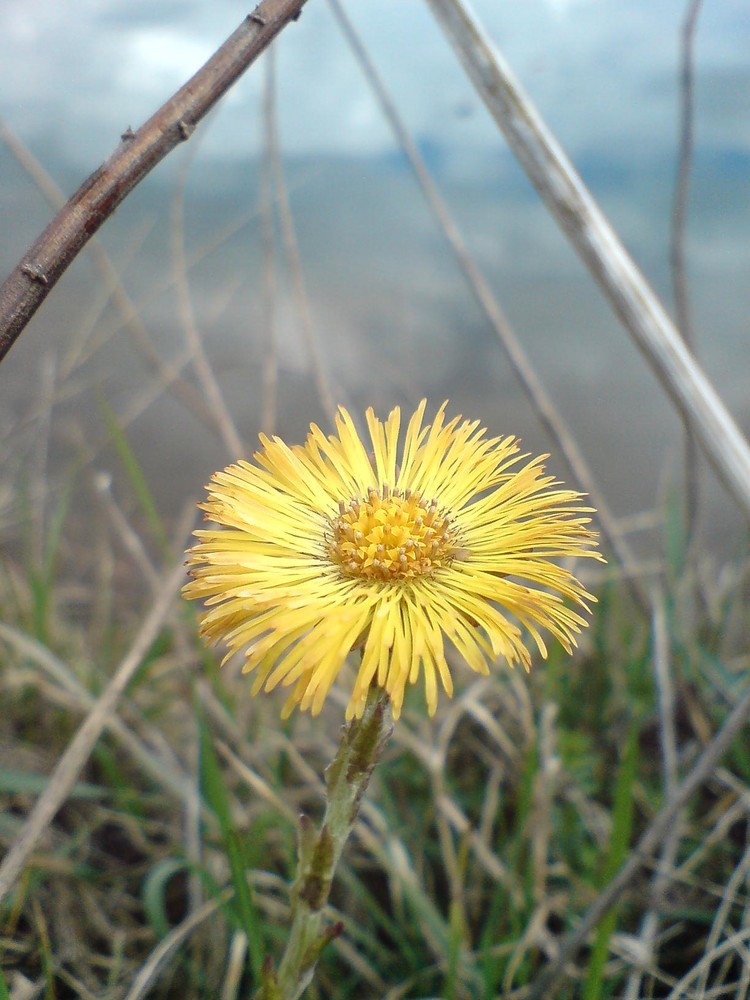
(548, 414)
(599, 247)
(74, 758)
(201, 365)
(270, 360)
(291, 248)
(682, 181)
(39, 468)
(41, 267)
(654, 834)
(680, 291)
(124, 532)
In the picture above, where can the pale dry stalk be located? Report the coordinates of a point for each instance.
(594, 239)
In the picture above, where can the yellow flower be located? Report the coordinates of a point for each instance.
(323, 549)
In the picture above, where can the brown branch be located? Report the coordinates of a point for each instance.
(138, 153)
(682, 182)
(204, 373)
(683, 312)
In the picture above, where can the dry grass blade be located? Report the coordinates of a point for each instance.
(144, 981)
(736, 943)
(201, 365)
(291, 247)
(729, 899)
(598, 245)
(77, 753)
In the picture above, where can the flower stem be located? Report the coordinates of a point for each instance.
(319, 851)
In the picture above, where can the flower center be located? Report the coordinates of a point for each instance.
(390, 535)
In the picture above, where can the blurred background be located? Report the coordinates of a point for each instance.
(181, 333)
(391, 314)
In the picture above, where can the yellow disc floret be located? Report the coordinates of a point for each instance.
(390, 535)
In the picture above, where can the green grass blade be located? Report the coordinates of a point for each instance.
(504, 922)
(13, 782)
(42, 577)
(153, 894)
(215, 794)
(135, 475)
(456, 939)
(376, 919)
(622, 825)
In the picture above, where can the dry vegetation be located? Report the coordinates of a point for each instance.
(487, 832)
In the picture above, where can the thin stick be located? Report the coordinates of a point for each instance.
(682, 181)
(39, 270)
(598, 245)
(70, 765)
(545, 409)
(270, 360)
(291, 248)
(680, 292)
(39, 465)
(199, 359)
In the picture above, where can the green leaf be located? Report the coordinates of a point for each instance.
(456, 939)
(153, 893)
(622, 825)
(26, 783)
(215, 794)
(135, 475)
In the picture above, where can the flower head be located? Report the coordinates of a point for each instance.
(324, 548)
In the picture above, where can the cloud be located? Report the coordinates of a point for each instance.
(603, 74)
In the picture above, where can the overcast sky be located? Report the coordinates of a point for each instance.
(75, 73)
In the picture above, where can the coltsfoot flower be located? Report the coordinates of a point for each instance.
(335, 545)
